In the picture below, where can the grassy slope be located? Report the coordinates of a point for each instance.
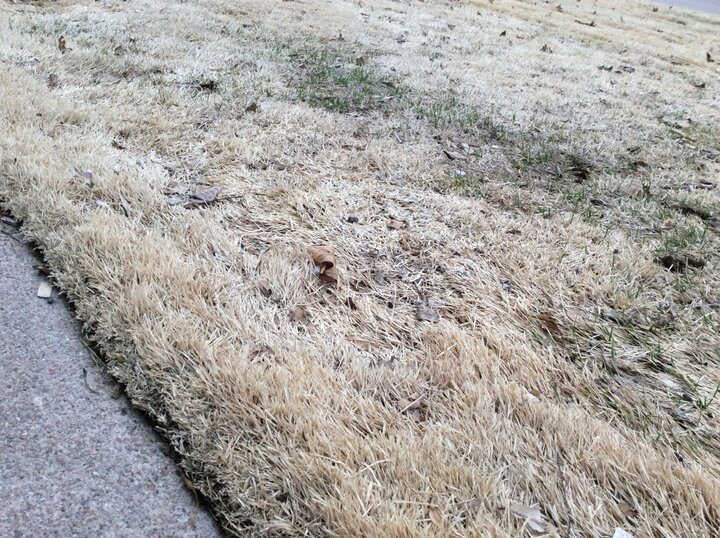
(499, 177)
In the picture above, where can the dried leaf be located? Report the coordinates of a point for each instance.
(688, 209)
(297, 314)
(435, 516)
(532, 515)
(705, 184)
(580, 170)
(454, 156)
(360, 343)
(62, 46)
(258, 350)
(600, 202)
(44, 290)
(204, 196)
(549, 323)
(324, 259)
(266, 291)
(409, 404)
(322, 256)
(189, 484)
(87, 176)
(252, 107)
(627, 509)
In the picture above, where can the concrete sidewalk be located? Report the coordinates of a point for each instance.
(73, 460)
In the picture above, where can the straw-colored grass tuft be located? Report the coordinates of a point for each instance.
(514, 326)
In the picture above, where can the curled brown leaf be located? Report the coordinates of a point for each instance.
(323, 257)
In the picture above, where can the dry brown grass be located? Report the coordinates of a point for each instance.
(524, 196)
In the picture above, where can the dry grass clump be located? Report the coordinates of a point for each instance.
(523, 210)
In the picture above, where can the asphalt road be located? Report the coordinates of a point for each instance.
(74, 462)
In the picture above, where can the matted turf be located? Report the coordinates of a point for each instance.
(521, 334)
